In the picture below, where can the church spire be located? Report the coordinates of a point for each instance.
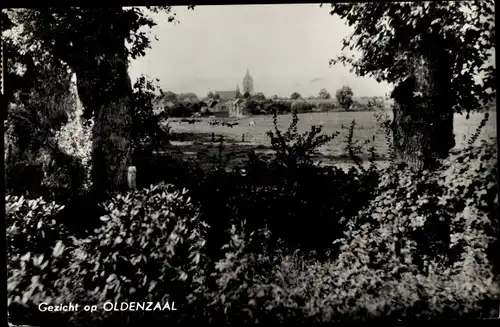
(238, 93)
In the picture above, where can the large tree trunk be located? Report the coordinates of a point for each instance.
(108, 98)
(423, 118)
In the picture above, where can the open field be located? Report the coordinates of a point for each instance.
(196, 139)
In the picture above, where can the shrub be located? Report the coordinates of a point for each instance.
(326, 106)
(250, 106)
(273, 192)
(280, 191)
(180, 110)
(41, 104)
(300, 106)
(280, 107)
(65, 176)
(423, 248)
(147, 134)
(428, 238)
(244, 289)
(149, 248)
(48, 172)
(36, 241)
(292, 148)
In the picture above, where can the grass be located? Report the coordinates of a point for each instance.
(201, 140)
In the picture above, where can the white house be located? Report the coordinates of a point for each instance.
(235, 108)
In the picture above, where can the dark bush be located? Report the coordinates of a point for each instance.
(429, 237)
(280, 107)
(273, 193)
(326, 106)
(147, 134)
(40, 105)
(35, 244)
(150, 247)
(302, 106)
(180, 110)
(424, 247)
(392, 264)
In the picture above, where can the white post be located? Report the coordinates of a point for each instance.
(131, 177)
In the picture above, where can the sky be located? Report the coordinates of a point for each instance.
(286, 48)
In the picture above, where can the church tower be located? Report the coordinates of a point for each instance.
(248, 83)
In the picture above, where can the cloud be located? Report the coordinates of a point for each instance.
(317, 79)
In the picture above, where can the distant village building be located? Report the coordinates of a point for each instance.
(232, 101)
(233, 95)
(228, 95)
(248, 83)
(235, 108)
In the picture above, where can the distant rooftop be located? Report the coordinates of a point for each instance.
(226, 95)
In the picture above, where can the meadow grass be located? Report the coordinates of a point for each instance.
(196, 139)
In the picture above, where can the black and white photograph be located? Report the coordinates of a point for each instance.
(250, 163)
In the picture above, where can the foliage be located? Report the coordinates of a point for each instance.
(40, 98)
(397, 45)
(170, 96)
(274, 192)
(36, 242)
(326, 106)
(422, 247)
(388, 34)
(159, 221)
(293, 148)
(384, 123)
(295, 96)
(97, 44)
(355, 149)
(375, 104)
(188, 97)
(241, 294)
(302, 106)
(147, 135)
(432, 233)
(259, 96)
(479, 129)
(409, 254)
(64, 31)
(324, 94)
(344, 97)
(280, 107)
(40, 146)
(110, 264)
(252, 106)
(75, 140)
